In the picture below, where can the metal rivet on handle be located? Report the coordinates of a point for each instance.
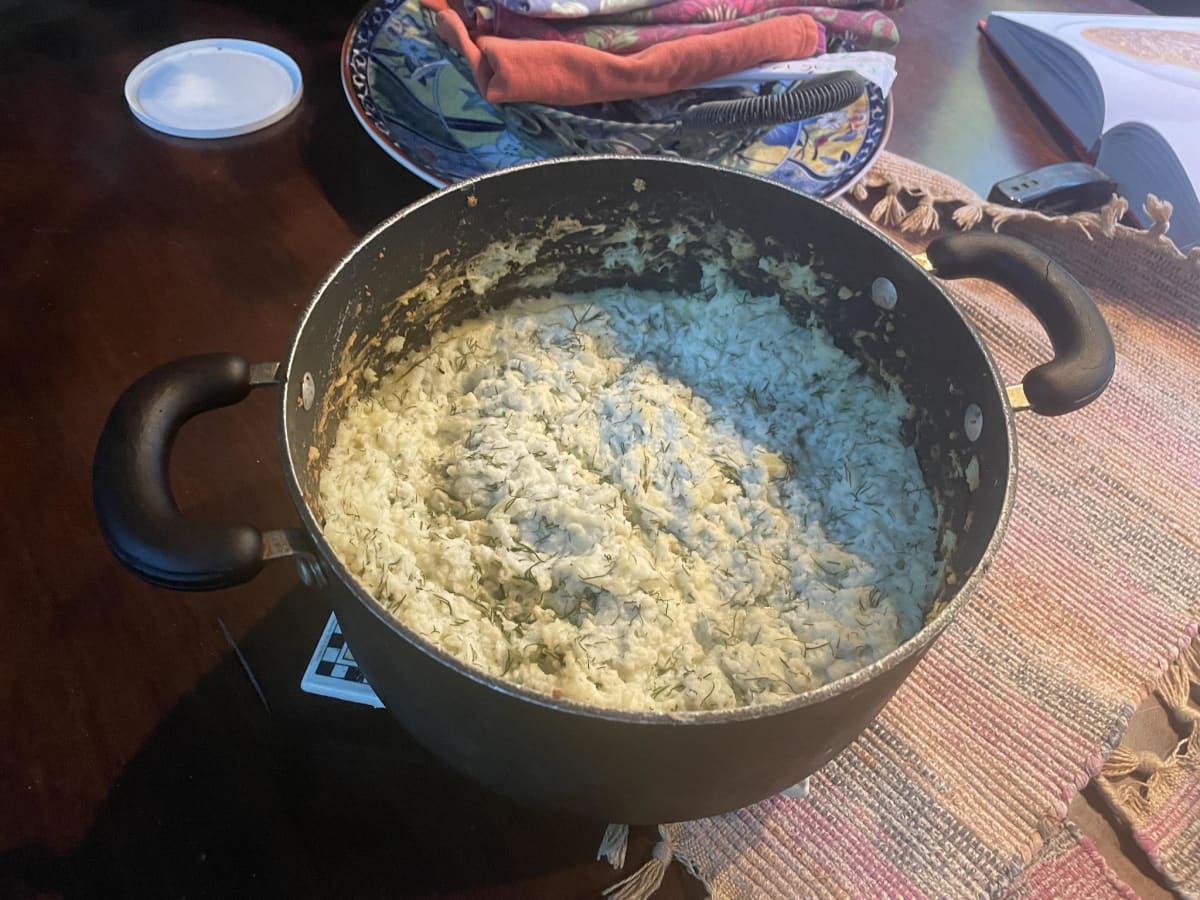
(883, 293)
(308, 390)
(973, 422)
(311, 572)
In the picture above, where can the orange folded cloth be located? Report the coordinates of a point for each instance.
(509, 70)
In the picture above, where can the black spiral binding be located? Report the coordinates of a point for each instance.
(814, 97)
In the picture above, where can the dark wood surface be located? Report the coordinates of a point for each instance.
(135, 757)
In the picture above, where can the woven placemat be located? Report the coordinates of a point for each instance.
(1068, 867)
(967, 774)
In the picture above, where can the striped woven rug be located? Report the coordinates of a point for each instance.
(1069, 867)
(966, 775)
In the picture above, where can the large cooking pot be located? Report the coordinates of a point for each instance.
(578, 224)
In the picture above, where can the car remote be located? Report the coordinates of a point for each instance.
(1060, 188)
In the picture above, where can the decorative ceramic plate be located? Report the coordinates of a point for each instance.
(430, 117)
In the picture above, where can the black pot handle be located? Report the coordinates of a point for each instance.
(1084, 357)
(131, 488)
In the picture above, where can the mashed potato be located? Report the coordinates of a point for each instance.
(641, 501)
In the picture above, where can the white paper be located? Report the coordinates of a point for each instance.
(873, 65)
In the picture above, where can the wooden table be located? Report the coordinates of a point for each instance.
(135, 757)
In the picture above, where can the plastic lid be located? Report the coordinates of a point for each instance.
(214, 88)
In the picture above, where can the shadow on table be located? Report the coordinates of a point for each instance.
(317, 798)
(359, 179)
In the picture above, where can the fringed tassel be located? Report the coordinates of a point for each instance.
(968, 215)
(1001, 214)
(1176, 687)
(1111, 214)
(1176, 691)
(1127, 775)
(612, 848)
(923, 218)
(1137, 763)
(875, 179)
(642, 884)
(1134, 778)
(1104, 220)
(889, 211)
(1159, 212)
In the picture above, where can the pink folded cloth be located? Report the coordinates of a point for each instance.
(560, 73)
(636, 29)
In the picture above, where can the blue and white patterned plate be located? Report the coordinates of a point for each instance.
(429, 117)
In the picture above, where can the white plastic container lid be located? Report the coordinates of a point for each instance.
(214, 88)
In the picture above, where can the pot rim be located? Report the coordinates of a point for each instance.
(917, 644)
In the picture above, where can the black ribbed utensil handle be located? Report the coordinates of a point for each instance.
(814, 97)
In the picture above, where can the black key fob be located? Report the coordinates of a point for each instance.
(1060, 188)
